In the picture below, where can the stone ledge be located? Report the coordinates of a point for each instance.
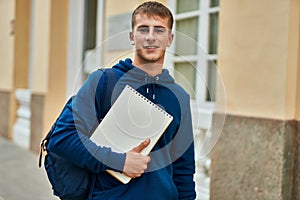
(5, 113)
(253, 159)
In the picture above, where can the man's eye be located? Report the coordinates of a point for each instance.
(143, 30)
(159, 30)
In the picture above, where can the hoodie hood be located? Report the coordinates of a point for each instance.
(139, 77)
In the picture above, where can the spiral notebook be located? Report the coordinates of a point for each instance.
(131, 119)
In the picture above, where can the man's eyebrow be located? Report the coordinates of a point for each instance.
(146, 26)
(159, 27)
(143, 26)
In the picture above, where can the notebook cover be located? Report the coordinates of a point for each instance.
(131, 119)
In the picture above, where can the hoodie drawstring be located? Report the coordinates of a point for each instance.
(150, 81)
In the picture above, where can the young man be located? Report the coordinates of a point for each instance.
(165, 174)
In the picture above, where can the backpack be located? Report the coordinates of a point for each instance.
(61, 172)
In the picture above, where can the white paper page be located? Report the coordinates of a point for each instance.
(132, 119)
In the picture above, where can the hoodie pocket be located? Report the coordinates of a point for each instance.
(116, 193)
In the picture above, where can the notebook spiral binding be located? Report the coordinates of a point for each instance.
(150, 102)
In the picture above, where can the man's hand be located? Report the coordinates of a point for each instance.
(135, 163)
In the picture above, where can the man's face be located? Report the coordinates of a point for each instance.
(151, 36)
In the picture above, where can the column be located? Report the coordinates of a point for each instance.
(48, 65)
(7, 10)
(257, 155)
(22, 95)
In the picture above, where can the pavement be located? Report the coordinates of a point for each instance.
(22, 179)
(20, 176)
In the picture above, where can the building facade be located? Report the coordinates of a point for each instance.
(239, 60)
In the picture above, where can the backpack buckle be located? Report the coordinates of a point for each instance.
(42, 148)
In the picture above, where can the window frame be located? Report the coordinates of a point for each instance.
(202, 108)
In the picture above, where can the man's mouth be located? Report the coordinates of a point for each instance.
(151, 47)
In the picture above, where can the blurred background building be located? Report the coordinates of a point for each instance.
(238, 59)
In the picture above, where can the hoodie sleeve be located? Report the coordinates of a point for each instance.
(75, 125)
(183, 154)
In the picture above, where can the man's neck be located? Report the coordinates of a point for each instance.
(152, 69)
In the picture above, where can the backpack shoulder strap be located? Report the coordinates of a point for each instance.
(105, 89)
(47, 137)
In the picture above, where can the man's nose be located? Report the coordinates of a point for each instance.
(150, 36)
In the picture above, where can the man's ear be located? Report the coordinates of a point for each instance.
(131, 38)
(170, 39)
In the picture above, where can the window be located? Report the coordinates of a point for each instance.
(186, 28)
(185, 74)
(90, 24)
(193, 57)
(183, 6)
(93, 35)
(195, 46)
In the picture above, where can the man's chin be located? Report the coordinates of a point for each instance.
(153, 57)
(152, 60)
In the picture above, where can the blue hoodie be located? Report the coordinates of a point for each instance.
(169, 174)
